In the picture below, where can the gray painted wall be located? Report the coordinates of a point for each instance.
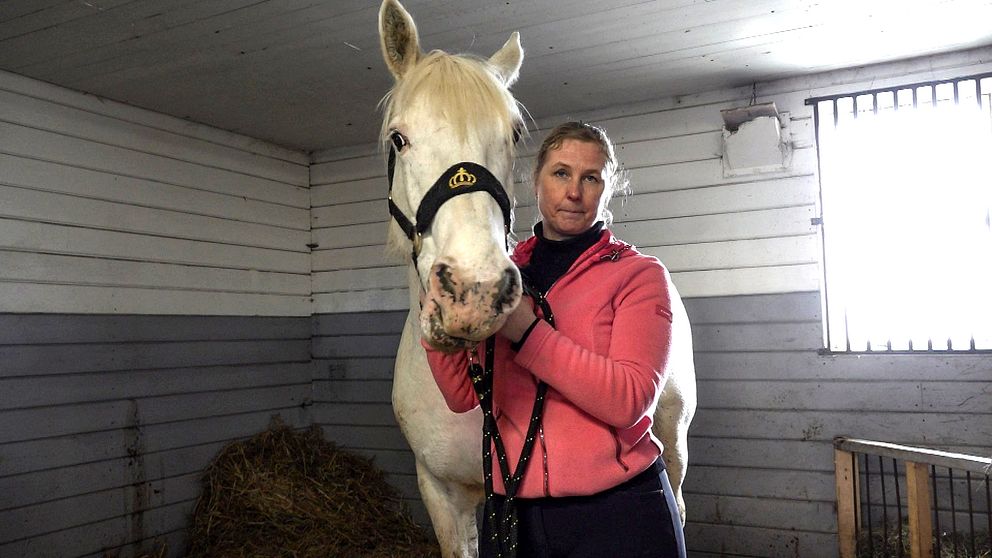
(81, 392)
(760, 479)
(107, 422)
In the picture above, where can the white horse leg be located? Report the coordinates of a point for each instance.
(671, 426)
(452, 509)
(676, 455)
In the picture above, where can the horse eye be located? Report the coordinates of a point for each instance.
(398, 140)
(516, 135)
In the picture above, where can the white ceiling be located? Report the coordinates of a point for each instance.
(308, 74)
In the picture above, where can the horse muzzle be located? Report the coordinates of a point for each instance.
(461, 309)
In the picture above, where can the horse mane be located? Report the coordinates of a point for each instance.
(460, 88)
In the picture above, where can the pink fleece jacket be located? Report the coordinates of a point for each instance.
(604, 366)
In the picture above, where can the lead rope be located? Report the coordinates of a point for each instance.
(504, 521)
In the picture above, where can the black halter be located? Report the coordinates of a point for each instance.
(461, 178)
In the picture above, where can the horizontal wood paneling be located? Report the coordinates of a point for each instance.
(97, 536)
(57, 359)
(22, 267)
(358, 402)
(108, 209)
(107, 421)
(201, 136)
(38, 329)
(64, 389)
(374, 368)
(69, 240)
(47, 422)
(23, 141)
(32, 205)
(817, 486)
(66, 482)
(356, 301)
(909, 427)
(721, 539)
(33, 108)
(66, 451)
(360, 257)
(31, 521)
(881, 395)
(131, 191)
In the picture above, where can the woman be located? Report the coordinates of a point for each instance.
(594, 484)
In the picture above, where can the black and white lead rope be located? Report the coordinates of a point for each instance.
(504, 521)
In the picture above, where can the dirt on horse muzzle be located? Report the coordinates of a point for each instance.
(462, 307)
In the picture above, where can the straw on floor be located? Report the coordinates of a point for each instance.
(293, 493)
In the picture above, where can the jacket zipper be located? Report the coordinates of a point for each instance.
(613, 256)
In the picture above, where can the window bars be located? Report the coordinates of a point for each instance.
(896, 501)
(905, 196)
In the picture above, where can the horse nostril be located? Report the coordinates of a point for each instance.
(506, 289)
(445, 280)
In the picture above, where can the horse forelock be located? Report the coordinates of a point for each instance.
(465, 92)
(459, 88)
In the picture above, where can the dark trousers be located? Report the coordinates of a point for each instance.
(630, 520)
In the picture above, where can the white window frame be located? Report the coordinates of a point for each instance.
(847, 299)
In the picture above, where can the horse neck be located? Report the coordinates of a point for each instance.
(413, 286)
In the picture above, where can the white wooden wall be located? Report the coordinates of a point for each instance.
(154, 306)
(108, 209)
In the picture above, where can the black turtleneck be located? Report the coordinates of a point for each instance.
(552, 258)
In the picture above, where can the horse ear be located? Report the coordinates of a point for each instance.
(508, 59)
(398, 38)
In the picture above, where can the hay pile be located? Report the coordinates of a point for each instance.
(288, 493)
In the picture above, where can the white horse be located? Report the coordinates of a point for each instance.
(446, 109)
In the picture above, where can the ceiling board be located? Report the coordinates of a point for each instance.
(307, 74)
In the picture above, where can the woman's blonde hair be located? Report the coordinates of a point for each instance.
(614, 175)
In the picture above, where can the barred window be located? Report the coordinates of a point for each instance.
(906, 191)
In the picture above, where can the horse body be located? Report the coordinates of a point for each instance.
(445, 109)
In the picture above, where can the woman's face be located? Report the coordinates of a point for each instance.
(570, 188)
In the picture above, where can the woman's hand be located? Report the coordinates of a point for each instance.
(519, 320)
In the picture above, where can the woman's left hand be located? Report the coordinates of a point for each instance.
(519, 320)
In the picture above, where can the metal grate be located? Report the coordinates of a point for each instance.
(906, 216)
(948, 514)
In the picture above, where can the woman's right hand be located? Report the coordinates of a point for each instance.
(519, 320)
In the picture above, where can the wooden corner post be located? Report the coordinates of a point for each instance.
(920, 521)
(848, 501)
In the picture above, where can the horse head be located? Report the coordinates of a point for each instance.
(450, 125)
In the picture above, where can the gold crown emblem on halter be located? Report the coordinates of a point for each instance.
(461, 178)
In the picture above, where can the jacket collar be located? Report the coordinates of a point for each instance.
(606, 243)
